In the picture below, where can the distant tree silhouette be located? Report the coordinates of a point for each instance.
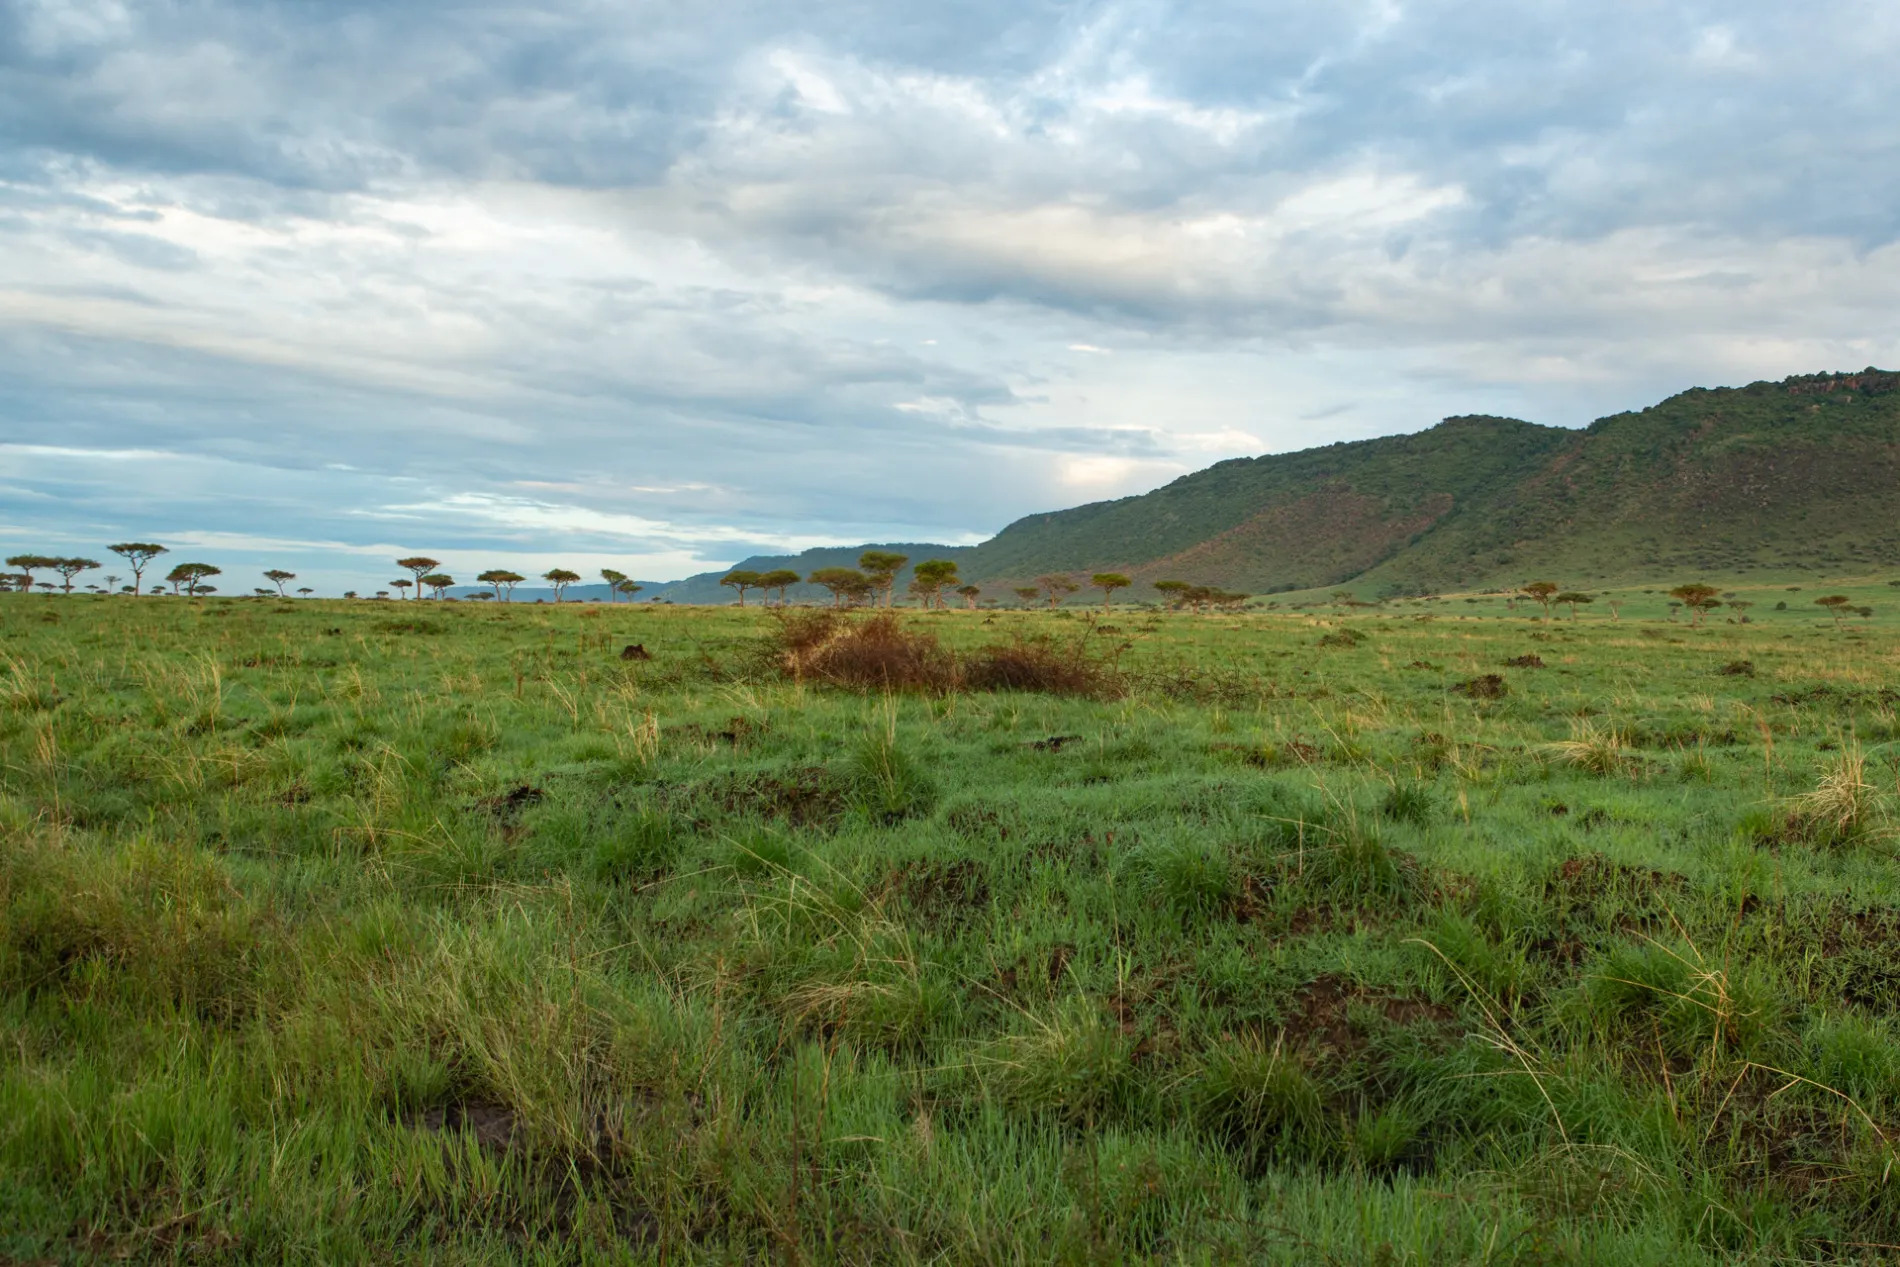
(844, 583)
(1836, 605)
(629, 588)
(880, 568)
(1570, 599)
(613, 579)
(277, 576)
(1700, 599)
(192, 577)
(503, 580)
(742, 580)
(560, 579)
(1028, 593)
(1108, 583)
(420, 565)
(1542, 592)
(970, 594)
(401, 587)
(1176, 592)
(68, 568)
(1055, 587)
(137, 554)
(438, 582)
(780, 579)
(931, 578)
(306, 591)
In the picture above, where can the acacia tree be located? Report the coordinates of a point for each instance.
(613, 580)
(305, 590)
(136, 555)
(1542, 591)
(1176, 592)
(1700, 599)
(278, 576)
(439, 582)
(1027, 593)
(930, 580)
(192, 576)
(402, 587)
(560, 579)
(1836, 605)
(780, 579)
(844, 583)
(1570, 599)
(970, 594)
(626, 587)
(741, 581)
(29, 564)
(880, 568)
(1056, 587)
(502, 579)
(68, 568)
(421, 566)
(1108, 583)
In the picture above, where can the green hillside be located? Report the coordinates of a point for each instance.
(1790, 477)
(1798, 475)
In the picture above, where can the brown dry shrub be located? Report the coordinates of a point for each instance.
(877, 652)
(1042, 665)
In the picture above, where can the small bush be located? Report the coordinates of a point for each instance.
(878, 652)
(1042, 665)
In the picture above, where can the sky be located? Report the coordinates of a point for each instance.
(652, 286)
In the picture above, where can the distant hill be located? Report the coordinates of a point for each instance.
(1800, 475)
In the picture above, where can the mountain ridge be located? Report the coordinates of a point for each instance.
(1795, 474)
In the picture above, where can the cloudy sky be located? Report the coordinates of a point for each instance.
(659, 285)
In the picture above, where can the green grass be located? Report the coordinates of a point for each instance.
(336, 932)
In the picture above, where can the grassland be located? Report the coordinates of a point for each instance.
(440, 932)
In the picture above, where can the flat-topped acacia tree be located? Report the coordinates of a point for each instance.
(931, 578)
(438, 582)
(137, 554)
(844, 583)
(1056, 586)
(780, 579)
(560, 579)
(1025, 592)
(402, 587)
(504, 582)
(613, 579)
(68, 568)
(1570, 599)
(421, 566)
(629, 588)
(1542, 591)
(277, 577)
(29, 564)
(880, 568)
(970, 594)
(1700, 599)
(1836, 605)
(1108, 583)
(741, 581)
(192, 577)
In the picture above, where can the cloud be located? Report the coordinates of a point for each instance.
(698, 279)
